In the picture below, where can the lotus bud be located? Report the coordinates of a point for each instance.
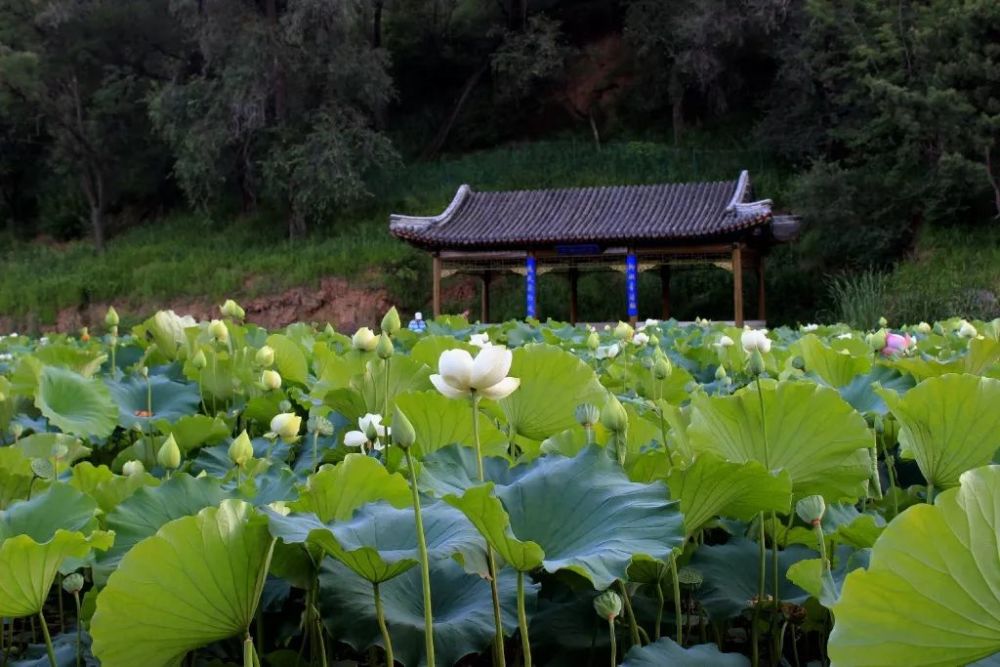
(265, 356)
(329, 330)
(587, 415)
(402, 430)
(720, 373)
(85, 334)
(169, 455)
(384, 347)
(286, 426)
(613, 416)
(370, 429)
(811, 509)
(198, 360)
(111, 317)
(390, 322)
(271, 380)
(924, 328)
(662, 368)
(232, 310)
(876, 341)
(241, 449)
(608, 605)
(593, 340)
(755, 364)
(133, 468)
(144, 371)
(654, 340)
(73, 583)
(218, 330)
(364, 340)
(623, 331)
(966, 330)
(882, 322)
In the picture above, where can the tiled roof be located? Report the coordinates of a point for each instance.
(631, 213)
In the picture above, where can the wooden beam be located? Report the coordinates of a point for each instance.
(665, 290)
(484, 305)
(574, 277)
(738, 284)
(761, 311)
(436, 285)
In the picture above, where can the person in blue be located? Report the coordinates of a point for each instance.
(417, 323)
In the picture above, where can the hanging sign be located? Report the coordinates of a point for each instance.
(530, 286)
(632, 284)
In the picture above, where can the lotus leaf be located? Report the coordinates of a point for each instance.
(77, 405)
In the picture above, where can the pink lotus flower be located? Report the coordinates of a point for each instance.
(896, 344)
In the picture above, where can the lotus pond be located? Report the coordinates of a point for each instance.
(211, 493)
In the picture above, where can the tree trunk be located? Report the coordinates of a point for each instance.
(92, 183)
(677, 105)
(442, 136)
(296, 225)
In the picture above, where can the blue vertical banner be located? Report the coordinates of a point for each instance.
(530, 287)
(632, 284)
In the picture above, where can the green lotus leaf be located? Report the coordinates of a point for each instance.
(86, 362)
(59, 507)
(42, 446)
(812, 434)
(405, 375)
(440, 421)
(15, 476)
(731, 572)
(836, 367)
(149, 508)
(984, 353)
(193, 431)
(825, 585)
(196, 581)
(453, 469)
(846, 525)
(923, 368)
(950, 424)
(581, 514)
(712, 486)
(289, 359)
(30, 567)
(380, 541)
(462, 608)
(335, 492)
(171, 400)
(77, 405)
(665, 651)
(931, 595)
(553, 383)
(861, 394)
(428, 349)
(107, 488)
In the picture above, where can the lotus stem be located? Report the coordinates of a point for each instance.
(761, 576)
(385, 404)
(677, 600)
(930, 492)
(425, 568)
(79, 629)
(59, 597)
(315, 450)
(890, 468)
(3, 641)
(499, 657)
(522, 620)
(248, 651)
(659, 609)
(774, 559)
(633, 628)
(614, 644)
(48, 640)
(114, 346)
(380, 617)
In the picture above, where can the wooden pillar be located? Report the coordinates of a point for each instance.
(761, 311)
(665, 291)
(574, 277)
(738, 284)
(436, 285)
(484, 304)
(632, 287)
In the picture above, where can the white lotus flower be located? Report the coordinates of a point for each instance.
(809, 327)
(370, 432)
(271, 380)
(364, 339)
(844, 336)
(480, 339)
(924, 328)
(725, 341)
(649, 323)
(755, 340)
(355, 439)
(640, 339)
(459, 375)
(286, 426)
(173, 324)
(966, 330)
(608, 351)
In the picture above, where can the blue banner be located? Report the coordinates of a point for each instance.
(530, 286)
(632, 284)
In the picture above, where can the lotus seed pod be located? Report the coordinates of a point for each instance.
(241, 449)
(232, 310)
(111, 317)
(662, 368)
(169, 455)
(364, 340)
(265, 356)
(218, 330)
(390, 322)
(613, 415)
(271, 380)
(198, 360)
(321, 425)
(384, 347)
(720, 373)
(811, 509)
(623, 331)
(42, 468)
(587, 415)
(133, 467)
(402, 430)
(608, 605)
(755, 364)
(690, 576)
(593, 340)
(73, 583)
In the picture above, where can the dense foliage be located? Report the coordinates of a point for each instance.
(215, 493)
(112, 111)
